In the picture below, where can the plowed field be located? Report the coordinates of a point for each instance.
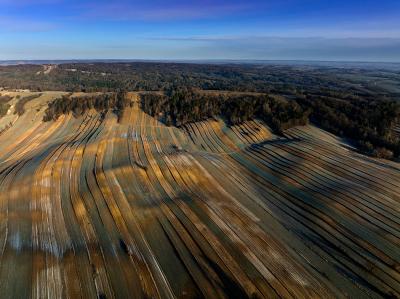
(95, 208)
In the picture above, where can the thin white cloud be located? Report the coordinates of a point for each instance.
(21, 3)
(121, 11)
(286, 48)
(251, 48)
(16, 24)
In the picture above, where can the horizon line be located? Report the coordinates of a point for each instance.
(244, 60)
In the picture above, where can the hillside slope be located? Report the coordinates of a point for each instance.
(93, 208)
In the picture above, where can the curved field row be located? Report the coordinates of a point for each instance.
(95, 208)
(215, 136)
(396, 131)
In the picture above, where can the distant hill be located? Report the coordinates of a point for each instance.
(339, 64)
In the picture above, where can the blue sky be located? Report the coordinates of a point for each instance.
(261, 29)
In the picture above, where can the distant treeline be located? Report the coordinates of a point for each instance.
(369, 123)
(4, 106)
(184, 105)
(20, 106)
(356, 103)
(5, 99)
(140, 76)
(78, 105)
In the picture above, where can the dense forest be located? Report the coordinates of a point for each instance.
(4, 105)
(361, 104)
(266, 78)
(184, 105)
(78, 105)
(20, 106)
(369, 123)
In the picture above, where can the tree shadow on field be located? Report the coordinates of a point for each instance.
(305, 207)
